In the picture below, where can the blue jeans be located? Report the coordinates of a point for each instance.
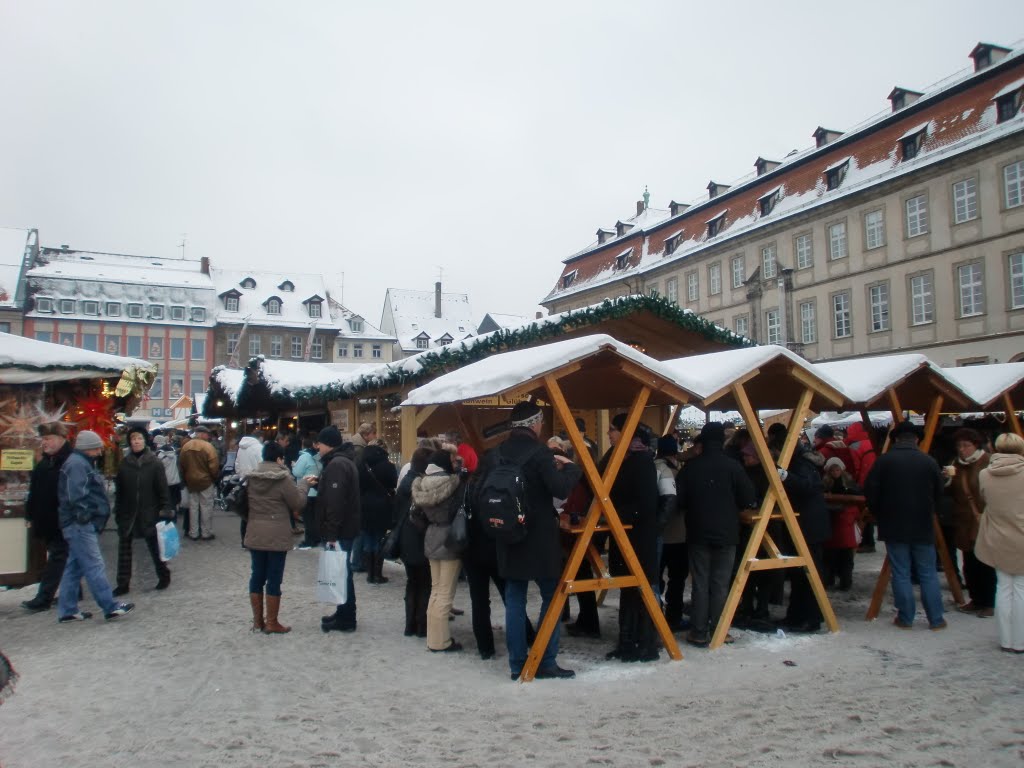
(267, 569)
(515, 622)
(922, 558)
(84, 561)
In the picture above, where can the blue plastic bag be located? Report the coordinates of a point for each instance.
(168, 540)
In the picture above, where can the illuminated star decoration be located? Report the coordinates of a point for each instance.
(19, 424)
(45, 416)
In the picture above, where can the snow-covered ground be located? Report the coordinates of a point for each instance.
(181, 682)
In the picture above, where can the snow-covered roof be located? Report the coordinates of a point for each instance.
(412, 314)
(503, 321)
(864, 379)
(252, 301)
(344, 317)
(27, 361)
(12, 255)
(984, 384)
(120, 268)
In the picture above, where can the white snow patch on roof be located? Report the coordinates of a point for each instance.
(251, 302)
(985, 383)
(12, 253)
(1011, 88)
(916, 130)
(864, 379)
(24, 360)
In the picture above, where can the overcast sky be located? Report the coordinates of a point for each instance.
(392, 140)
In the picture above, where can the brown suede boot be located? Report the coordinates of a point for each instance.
(272, 627)
(256, 601)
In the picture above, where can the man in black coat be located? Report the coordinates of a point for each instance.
(41, 512)
(712, 489)
(903, 489)
(806, 493)
(538, 557)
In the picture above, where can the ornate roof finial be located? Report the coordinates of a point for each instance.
(647, 198)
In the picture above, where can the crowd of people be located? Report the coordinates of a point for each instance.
(687, 504)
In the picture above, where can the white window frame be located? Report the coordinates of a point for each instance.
(965, 200)
(772, 326)
(135, 310)
(230, 303)
(874, 229)
(808, 323)
(357, 350)
(377, 351)
(803, 245)
(314, 309)
(178, 313)
(1015, 267)
(254, 346)
(672, 290)
(113, 309)
(343, 350)
(878, 305)
(91, 308)
(232, 342)
(692, 286)
(922, 299)
(741, 325)
(769, 258)
(198, 314)
(44, 304)
(739, 271)
(316, 349)
(715, 279)
(970, 280)
(67, 306)
(916, 208)
(276, 345)
(356, 326)
(273, 306)
(838, 245)
(297, 347)
(842, 317)
(156, 311)
(1013, 184)
(422, 343)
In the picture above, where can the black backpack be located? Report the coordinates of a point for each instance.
(501, 501)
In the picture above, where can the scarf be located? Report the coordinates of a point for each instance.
(972, 458)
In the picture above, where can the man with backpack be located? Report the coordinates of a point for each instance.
(514, 501)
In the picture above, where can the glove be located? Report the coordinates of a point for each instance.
(783, 474)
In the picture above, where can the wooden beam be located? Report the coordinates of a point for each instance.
(931, 423)
(776, 563)
(1011, 414)
(812, 383)
(423, 413)
(727, 389)
(672, 417)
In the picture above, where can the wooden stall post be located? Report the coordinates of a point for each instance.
(1011, 414)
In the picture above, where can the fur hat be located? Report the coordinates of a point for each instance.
(525, 414)
(329, 436)
(713, 432)
(835, 461)
(140, 430)
(443, 460)
(825, 433)
(87, 440)
(160, 441)
(58, 428)
(667, 446)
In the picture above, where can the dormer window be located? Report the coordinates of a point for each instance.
(1008, 101)
(135, 310)
(568, 279)
(44, 304)
(622, 260)
(198, 314)
(67, 306)
(356, 325)
(422, 341)
(604, 235)
(901, 97)
(911, 141)
(156, 312)
(314, 309)
(715, 189)
(672, 243)
(764, 166)
(445, 340)
(90, 307)
(836, 173)
(823, 136)
(248, 283)
(716, 225)
(676, 208)
(231, 303)
(177, 313)
(622, 228)
(986, 54)
(288, 286)
(273, 306)
(767, 202)
(113, 309)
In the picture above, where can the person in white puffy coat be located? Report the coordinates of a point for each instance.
(250, 451)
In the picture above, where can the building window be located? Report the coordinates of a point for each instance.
(878, 300)
(198, 314)
(568, 279)
(297, 346)
(177, 386)
(716, 226)
(773, 327)
(254, 346)
(652, 290)
(837, 248)
(357, 349)
(917, 216)
(317, 349)
(273, 306)
(802, 244)
(692, 286)
(91, 342)
(965, 200)
(355, 325)
(874, 229)
(672, 243)
(275, 346)
(196, 386)
(769, 263)
(343, 350)
(156, 392)
(44, 336)
(834, 176)
(113, 309)
(314, 309)
(1017, 280)
(177, 349)
(5, 327)
(67, 306)
(768, 202)
(44, 304)
(422, 343)
(376, 351)
(231, 303)
(715, 279)
(808, 323)
(135, 310)
(1013, 183)
(910, 146)
(741, 325)
(972, 298)
(739, 271)
(156, 312)
(90, 308)
(922, 301)
(622, 260)
(134, 346)
(672, 290)
(1008, 104)
(178, 313)
(112, 345)
(232, 342)
(841, 326)
(198, 349)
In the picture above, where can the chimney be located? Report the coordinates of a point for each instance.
(437, 299)
(204, 265)
(65, 247)
(640, 207)
(538, 315)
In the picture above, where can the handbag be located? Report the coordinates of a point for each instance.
(332, 576)
(458, 532)
(389, 547)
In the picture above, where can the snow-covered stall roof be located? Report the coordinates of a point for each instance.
(27, 361)
(774, 377)
(985, 384)
(594, 384)
(12, 255)
(916, 379)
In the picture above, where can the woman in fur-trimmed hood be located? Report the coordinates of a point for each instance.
(437, 496)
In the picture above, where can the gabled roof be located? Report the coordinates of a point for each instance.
(985, 384)
(412, 314)
(916, 379)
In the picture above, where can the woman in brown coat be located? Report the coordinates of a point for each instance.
(962, 482)
(274, 499)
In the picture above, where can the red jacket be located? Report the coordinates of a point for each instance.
(835, 448)
(861, 451)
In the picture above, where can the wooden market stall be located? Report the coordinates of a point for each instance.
(994, 388)
(587, 372)
(903, 383)
(41, 382)
(747, 380)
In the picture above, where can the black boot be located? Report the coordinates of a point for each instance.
(845, 569)
(626, 649)
(378, 569)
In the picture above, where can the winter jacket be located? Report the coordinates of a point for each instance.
(250, 454)
(539, 555)
(82, 493)
(675, 529)
(844, 516)
(410, 538)
(902, 490)
(199, 464)
(712, 489)
(635, 496)
(378, 478)
(337, 499)
(1000, 541)
(274, 499)
(807, 495)
(862, 452)
(42, 504)
(438, 496)
(836, 449)
(966, 493)
(169, 459)
(307, 464)
(141, 497)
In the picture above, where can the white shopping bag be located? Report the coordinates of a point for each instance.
(332, 577)
(167, 540)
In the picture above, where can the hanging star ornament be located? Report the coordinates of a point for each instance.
(19, 424)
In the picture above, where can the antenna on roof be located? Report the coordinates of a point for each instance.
(184, 237)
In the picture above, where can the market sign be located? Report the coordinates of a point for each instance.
(17, 460)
